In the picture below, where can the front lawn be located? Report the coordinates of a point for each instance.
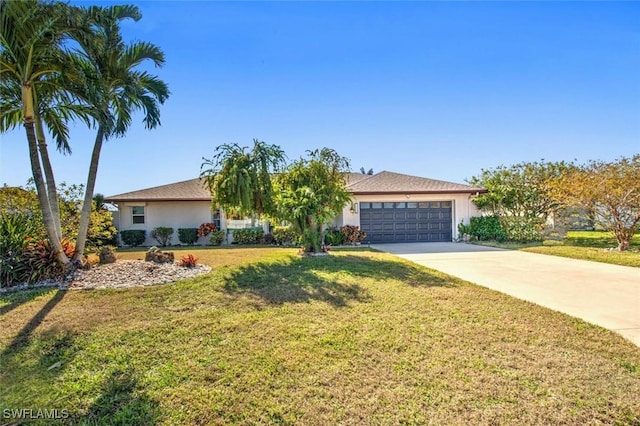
(358, 337)
(585, 245)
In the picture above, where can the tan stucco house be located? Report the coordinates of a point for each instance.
(390, 207)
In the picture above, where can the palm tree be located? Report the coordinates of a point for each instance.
(32, 62)
(114, 88)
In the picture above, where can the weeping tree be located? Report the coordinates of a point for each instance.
(239, 178)
(114, 87)
(311, 192)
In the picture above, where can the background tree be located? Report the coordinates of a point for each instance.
(520, 196)
(240, 179)
(311, 192)
(610, 191)
(113, 87)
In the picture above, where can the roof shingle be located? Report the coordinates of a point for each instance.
(393, 183)
(188, 190)
(357, 183)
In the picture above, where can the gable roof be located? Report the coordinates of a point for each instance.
(187, 190)
(357, 183)
(393, 183)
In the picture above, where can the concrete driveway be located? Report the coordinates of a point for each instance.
(603, 294)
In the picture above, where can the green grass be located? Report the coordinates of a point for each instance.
(584, 245)
(267, 337)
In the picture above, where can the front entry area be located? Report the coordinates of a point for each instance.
(391, 222)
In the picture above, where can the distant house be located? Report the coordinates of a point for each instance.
(389, 207)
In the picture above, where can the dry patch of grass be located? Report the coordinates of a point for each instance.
(358, 337)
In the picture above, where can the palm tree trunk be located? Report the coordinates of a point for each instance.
(36, 169)
(50, 181)
(47, 218)
(85, 214)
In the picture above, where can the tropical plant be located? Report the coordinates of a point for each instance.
(311, 192)
(32, 92)
(162, 234)
(16, 230)
(188, 261)
(41, 260)
(333, 237)
(114, 86)
(240, 180)
(206, 228)
(352, 234)
(610, 191)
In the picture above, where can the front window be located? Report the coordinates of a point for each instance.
(137, 215)
(215, 218)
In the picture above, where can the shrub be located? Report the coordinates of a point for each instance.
(268, 239)
(189, 261)
(42, 260)
(522, 229)
(206, 228)
(463, 229)
(333, 237)
(133, 237)
(16, 230)
(352, 234)
(247, 235)
(217, 237)
(162, 234)
(188, 235)
(486, 228)
(285, 235)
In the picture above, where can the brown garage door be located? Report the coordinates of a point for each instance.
(395, 222)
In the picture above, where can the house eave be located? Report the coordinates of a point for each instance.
(150, 200)
(466, 191)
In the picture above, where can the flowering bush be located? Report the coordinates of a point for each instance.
(189, 261)
(206, 228)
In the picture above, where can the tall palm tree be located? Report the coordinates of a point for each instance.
(114, 88)
(32, 62)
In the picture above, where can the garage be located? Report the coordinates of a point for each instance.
(391, 222)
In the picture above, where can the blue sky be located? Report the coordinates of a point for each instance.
(434, 89)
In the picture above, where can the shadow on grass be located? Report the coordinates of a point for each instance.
(18, 298)
(121, 402)
(24, 335)
(332, 279)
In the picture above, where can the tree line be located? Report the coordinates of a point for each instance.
(524, 196)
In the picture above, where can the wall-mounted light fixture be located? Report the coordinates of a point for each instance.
(354, 208)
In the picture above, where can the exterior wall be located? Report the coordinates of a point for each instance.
(191, 214)
(463, 207)
(176, 214)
